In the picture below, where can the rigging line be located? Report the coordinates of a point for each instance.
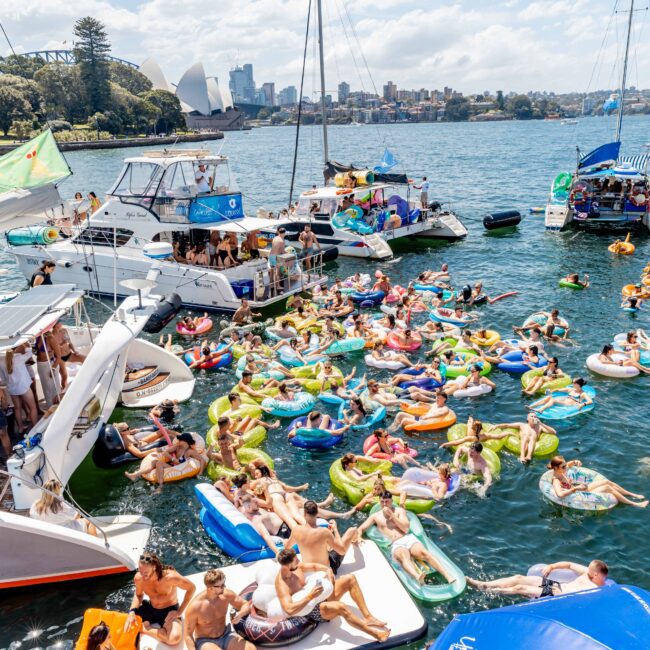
(601, 49)
(330, 24)
(8, 41)
(302, 80)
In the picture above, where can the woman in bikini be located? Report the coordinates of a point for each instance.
(476, 432)
(550, 373)
(564, 485)
(575, 396)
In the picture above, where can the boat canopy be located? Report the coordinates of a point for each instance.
(248, 224)
(611, 617)
(34, 312)
(638, 162)
(606, 154)
(332, 168)
(622, 172)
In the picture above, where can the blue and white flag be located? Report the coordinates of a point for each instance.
(387, 163)
(610, 104)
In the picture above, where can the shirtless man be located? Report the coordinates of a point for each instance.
(308, 241)
(265, 522)
(244, 386)
(475, 464)
(437, 410)
(393, 523)
(159, 583)
(228, 445)
(206, 627)
(529, 433)
(291, 579)
(320, 545)
(589, 577)
(244, 314)
(277, 248)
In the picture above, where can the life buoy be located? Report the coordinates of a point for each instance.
(578, 196)
(344, 191)
(640, 197)
(309, 192)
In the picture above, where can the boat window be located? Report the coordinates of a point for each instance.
(96, 236)
(138, 179)
(308, 207)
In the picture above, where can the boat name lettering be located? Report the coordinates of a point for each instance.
(32, 260)
(205, 285)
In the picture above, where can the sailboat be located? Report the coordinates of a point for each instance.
(363, 210)
(607, 191)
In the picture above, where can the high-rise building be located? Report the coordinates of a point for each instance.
(288, 96)
(448, 93)
(390, 91)
(344, 92)
(242, 84)
(269, 93)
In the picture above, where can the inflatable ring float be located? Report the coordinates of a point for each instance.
(314, 438)
(554, 384)
(186, 469)
(350, 488)
(609, 369)
(393, 342)
(577, 500)
(546, 444)
(245, 455)
(205, 325)
(252, 438)
(459, 431)
(301, 403)
(492, 337)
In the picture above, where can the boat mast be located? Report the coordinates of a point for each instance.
(322, 81)
(619, 117)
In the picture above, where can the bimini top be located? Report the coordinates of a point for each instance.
(614, 617)
(34, 312)
(166, 157)
(248, 224)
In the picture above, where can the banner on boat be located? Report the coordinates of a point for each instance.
(209, 209)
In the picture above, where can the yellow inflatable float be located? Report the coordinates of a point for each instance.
(619, 247)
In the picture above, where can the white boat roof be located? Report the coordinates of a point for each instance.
(166, 157)
(34, 312)
(385, 595)
(248, 224)
(330, 191)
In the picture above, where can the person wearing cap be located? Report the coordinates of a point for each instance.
(202, 180)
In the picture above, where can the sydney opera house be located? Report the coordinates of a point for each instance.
(206, 105)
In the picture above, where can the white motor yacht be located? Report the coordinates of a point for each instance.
(363, 221)
(36, 552)
(157, 198)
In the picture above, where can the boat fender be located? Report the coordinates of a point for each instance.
(505, 219)
(166, 310)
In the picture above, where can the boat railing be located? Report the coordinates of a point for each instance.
(291, 271)
(82, 513)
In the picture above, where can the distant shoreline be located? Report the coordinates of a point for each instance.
(127, 142)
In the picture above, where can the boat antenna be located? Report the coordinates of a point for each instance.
(619, 117)
(322, 81)
(302, 81)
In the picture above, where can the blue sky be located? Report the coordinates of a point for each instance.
(471, 45)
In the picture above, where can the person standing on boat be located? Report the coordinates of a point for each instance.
(277, 248)
(308, 241)
(424, 192)
(43, 275)
(202, 180)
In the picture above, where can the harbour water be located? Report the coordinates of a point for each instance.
(479, 168)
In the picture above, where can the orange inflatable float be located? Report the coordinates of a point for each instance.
(115, 621)
(622, 247)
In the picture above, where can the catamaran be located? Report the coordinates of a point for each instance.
(361, 217)
(155, 199)
(607, 191)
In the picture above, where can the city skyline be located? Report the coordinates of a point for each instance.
(511, 45)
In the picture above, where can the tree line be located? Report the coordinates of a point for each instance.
(106, 97)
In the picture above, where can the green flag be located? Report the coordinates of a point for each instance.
(35, 163)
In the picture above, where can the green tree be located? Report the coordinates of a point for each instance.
(171, 116)
(107, 121)
(60, 86)
(501, 102)
(90, 52)
(457, 109)
(521, 107)
(21, 66)
(129, 78)
(146, 116)
(26, 87)
(22, 129)
(13, 106)
(263, 114)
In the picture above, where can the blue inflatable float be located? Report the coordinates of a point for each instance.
(613, 617)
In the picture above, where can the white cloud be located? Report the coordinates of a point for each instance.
(467, 44)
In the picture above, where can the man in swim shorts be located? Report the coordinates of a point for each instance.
(244, 314)
(320, 545)
(159, 583)
(277, 248)
(292, 578)
(393, 523)
(587, 577)
(476, 465)
(308, 241)
(206, 627)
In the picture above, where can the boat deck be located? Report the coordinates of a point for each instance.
(384, 593)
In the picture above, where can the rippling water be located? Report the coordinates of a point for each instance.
(479, 167)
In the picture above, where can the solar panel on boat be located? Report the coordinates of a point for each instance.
(16, 316)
